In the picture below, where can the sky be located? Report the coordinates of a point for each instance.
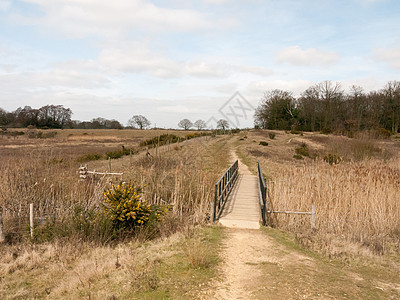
(200, 59)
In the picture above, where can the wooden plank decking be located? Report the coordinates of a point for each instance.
(242, 209)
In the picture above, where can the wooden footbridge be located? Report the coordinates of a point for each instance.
(240, 199)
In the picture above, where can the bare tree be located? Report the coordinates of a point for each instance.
(185, 124)
(139, 121)
(200, 124)
(223, 124)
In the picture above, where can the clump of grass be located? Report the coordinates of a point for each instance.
(263, 143)
(271, 135)
(198, 253)
(298, 156)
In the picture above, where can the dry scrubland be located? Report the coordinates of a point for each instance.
(75, 251)
(357, 198)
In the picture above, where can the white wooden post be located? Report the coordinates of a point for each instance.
(31, 218)
(2, 237)
(313, 216)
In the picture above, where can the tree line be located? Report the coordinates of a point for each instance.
(328, 108)
(57, 116)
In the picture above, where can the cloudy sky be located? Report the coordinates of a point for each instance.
(176, 59)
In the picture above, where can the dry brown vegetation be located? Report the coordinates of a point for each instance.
(73, 239)
(357, 200)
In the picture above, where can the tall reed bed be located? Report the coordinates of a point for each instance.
(183, 178)
(359, 201)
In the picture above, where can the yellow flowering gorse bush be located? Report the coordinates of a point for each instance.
(126, 208)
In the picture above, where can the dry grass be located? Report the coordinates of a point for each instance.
(180, 177)
(357, 201)
(71, 255)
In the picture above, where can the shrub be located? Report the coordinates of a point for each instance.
(262, 143)
(326, 130)
(271, 135)
(160, 140)
(89, 157)
(332, 159)
(297, 156)
(303, 150)
(383, 133)
(127, 210)
(119, 153)
(294, 131)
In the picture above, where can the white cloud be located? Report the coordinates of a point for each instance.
(255, 70)
(4, 5)
(81, 18)
(132, 59)
(217, 1)
(204, 69)
(8, 68)
(295, 55)
(389, 56)
(295, 86)
(51, 79)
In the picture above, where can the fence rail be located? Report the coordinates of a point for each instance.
(262, 188)
(264, 204)
(223, 187)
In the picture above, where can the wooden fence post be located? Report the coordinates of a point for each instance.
(31, 219)
(109, 164)
(313, 216)
(2, 237)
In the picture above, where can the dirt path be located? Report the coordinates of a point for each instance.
(269, 264)
(244, 251)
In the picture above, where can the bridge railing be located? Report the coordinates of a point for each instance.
(265, 207)
(262, 189)
(223, 187)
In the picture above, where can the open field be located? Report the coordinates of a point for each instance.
(74, 253)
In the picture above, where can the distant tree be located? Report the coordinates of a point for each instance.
(139, 121)
(391, 93)
(54, 116)
(276, 111)
(3, 117)
(223, 124)
(186, 124)
(200, 124)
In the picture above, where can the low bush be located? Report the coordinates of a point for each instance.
(382, 133)
(303, 150)
(161, 140)
(262, 143)
(271, 135)
(89, 157)
(119, 153)
(297, 156)
(332, 159)
(326, 130)
(127, 210)
(294, 131)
